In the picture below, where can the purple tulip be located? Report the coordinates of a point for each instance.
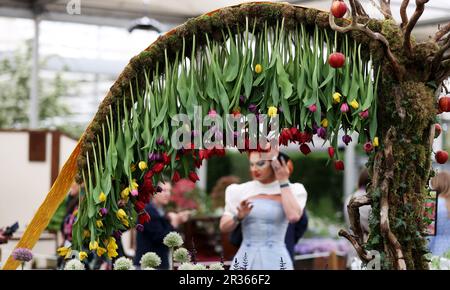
(314, 128)
(280, 110)
(139, 228)
(346, 139)
(364, 114)
(344, 108)
(322, 132)
(103, 211)
(253, 108)
(312, 108)
(117, 235)
(242, 99)
(160, 141)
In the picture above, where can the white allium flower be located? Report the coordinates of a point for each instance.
(199, 267)
(186, 266)
(216, 266)
(150, 260)
(181, 255)
(74, 264)
(149, 268)
(123, 263)
(173, 240)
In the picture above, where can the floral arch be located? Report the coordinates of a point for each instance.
(316, 71)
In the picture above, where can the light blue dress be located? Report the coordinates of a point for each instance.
(440, 243)
(263, 246)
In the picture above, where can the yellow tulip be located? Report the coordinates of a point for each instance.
(258, 68)
(121, 214)
(100, 251)
(142, 165)
(354, 104)
(324, 123)
(125, 192)
(63, 251)
(336, 98)
(93, 246)
(125, 222)
(112, 244)
(272, 112)
(86, 234)
(82, 255)
(112, 253)
(375, 142)
(102, 197)
(99, 224)
(134, 184)
(133, 167)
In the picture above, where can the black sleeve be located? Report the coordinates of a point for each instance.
(158, 227)
(301, 226)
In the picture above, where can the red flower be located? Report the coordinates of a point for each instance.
(304, 137)
(139, 206)
(285, 137)
(148, 175)
(144, 218)
(305, 149)
(339, 165)
(158, 167)
(204, 153)
(193, 176)
(176, 177)
(166, 158)
(331, 152)
(198, 163)
(368, 147)
(219, 151)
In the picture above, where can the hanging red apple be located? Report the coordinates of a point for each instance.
(338, 9)
(336, 60)
(444, 104)
(437, 130)
(441, 157)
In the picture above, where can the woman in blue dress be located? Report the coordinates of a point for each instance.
(264, 206)
(440, 243)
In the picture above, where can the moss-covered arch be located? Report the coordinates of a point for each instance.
(155, 60)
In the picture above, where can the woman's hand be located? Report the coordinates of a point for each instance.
(281, 170)
(244, 209)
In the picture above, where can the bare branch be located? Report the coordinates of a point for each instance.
(355, 26)
(442, 32)
(385, 6)
(439, 56)
(365, 257)
(360, 9)
(354, 216)
(403, 13)
(420, 7)
(386, 16)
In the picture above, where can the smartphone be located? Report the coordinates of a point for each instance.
(9, 231)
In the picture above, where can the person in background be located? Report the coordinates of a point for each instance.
(440, 243)
(264, 206)
(160, 224)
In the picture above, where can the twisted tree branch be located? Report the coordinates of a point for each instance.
(355, 26)
(439, 58)
(360, 9)
(403, 13)
(442, 32)
(363, 255)
(354, 216)
(393, 244)
(385, 6)
(420, 7)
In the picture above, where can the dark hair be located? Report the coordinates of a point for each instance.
(363, 178)
(284, 156)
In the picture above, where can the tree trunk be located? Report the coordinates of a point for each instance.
(400, 172)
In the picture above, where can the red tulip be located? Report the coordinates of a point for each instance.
(144, 218)
(441, 157)
(304, 137)
(219, 151)
(437, 130)
(294, 133)
(305, 149)
(331, 152)
(204, 153)
(139, 206)
(368, 147)
(193, 176)
(312, 108)
(176, 177)
(338, 9)
(339, 165)
(166, 158)
(158, 167)
(336, 60)
(285, 137)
